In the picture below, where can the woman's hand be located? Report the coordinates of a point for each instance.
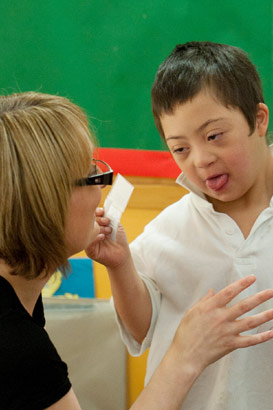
(212, 329)
(208, 331)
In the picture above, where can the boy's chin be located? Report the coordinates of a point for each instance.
(218, 198)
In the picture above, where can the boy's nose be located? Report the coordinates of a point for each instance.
(203, 158)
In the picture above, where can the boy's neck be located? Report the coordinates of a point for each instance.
(245, 216)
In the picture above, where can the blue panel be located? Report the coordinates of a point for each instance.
(81, 279)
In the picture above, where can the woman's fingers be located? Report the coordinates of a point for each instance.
(251, 322)
(249, 303)
(226, 295)
(209, 294)
(211, 330)
(252, 340)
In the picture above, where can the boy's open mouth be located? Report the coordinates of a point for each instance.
(217, 182)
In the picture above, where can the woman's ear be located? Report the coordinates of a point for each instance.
(262, 119)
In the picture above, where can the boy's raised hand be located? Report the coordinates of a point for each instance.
(211, 329)
(104, 250)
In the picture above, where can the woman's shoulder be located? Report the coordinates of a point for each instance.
(30, 366)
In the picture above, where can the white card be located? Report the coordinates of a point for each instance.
(116, 202)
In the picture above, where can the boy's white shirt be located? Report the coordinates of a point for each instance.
(186, 250)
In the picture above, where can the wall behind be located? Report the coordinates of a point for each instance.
(103, 54)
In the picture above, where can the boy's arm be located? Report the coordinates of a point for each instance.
(208, 331)
(131, 297)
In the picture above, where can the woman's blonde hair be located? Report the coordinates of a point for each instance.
(45, 146)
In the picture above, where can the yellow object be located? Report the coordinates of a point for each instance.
(68, 296)
(52, 285)
(149, 198)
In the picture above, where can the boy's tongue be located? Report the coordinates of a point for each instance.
(217, 182)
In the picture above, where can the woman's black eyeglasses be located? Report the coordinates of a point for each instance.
(102, 174)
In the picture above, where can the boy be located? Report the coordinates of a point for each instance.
(208, 106)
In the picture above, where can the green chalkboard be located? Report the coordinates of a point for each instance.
(104, 54)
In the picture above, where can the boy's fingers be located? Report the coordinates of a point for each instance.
(251, 322)
(102, 221)
(105, 230)
(249, 303)
(99, 211)
(226, 295)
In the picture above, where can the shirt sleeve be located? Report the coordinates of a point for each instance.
(135, 348)
(145, 265)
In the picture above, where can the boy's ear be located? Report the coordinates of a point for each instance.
(262, 119)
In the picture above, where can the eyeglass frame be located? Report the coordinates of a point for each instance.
(105, 178)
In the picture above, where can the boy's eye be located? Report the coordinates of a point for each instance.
(214, 137)
(180, 150)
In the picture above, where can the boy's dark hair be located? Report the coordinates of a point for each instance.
(224, 69)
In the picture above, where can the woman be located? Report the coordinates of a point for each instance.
(49, 191)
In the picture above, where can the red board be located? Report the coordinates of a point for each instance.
(140, 162)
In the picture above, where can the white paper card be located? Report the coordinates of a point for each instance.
(116, 202)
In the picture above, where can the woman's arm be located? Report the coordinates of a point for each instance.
(208, 331)
(68, 402)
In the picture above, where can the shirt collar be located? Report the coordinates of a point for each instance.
(9, 301)
(182, 180)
